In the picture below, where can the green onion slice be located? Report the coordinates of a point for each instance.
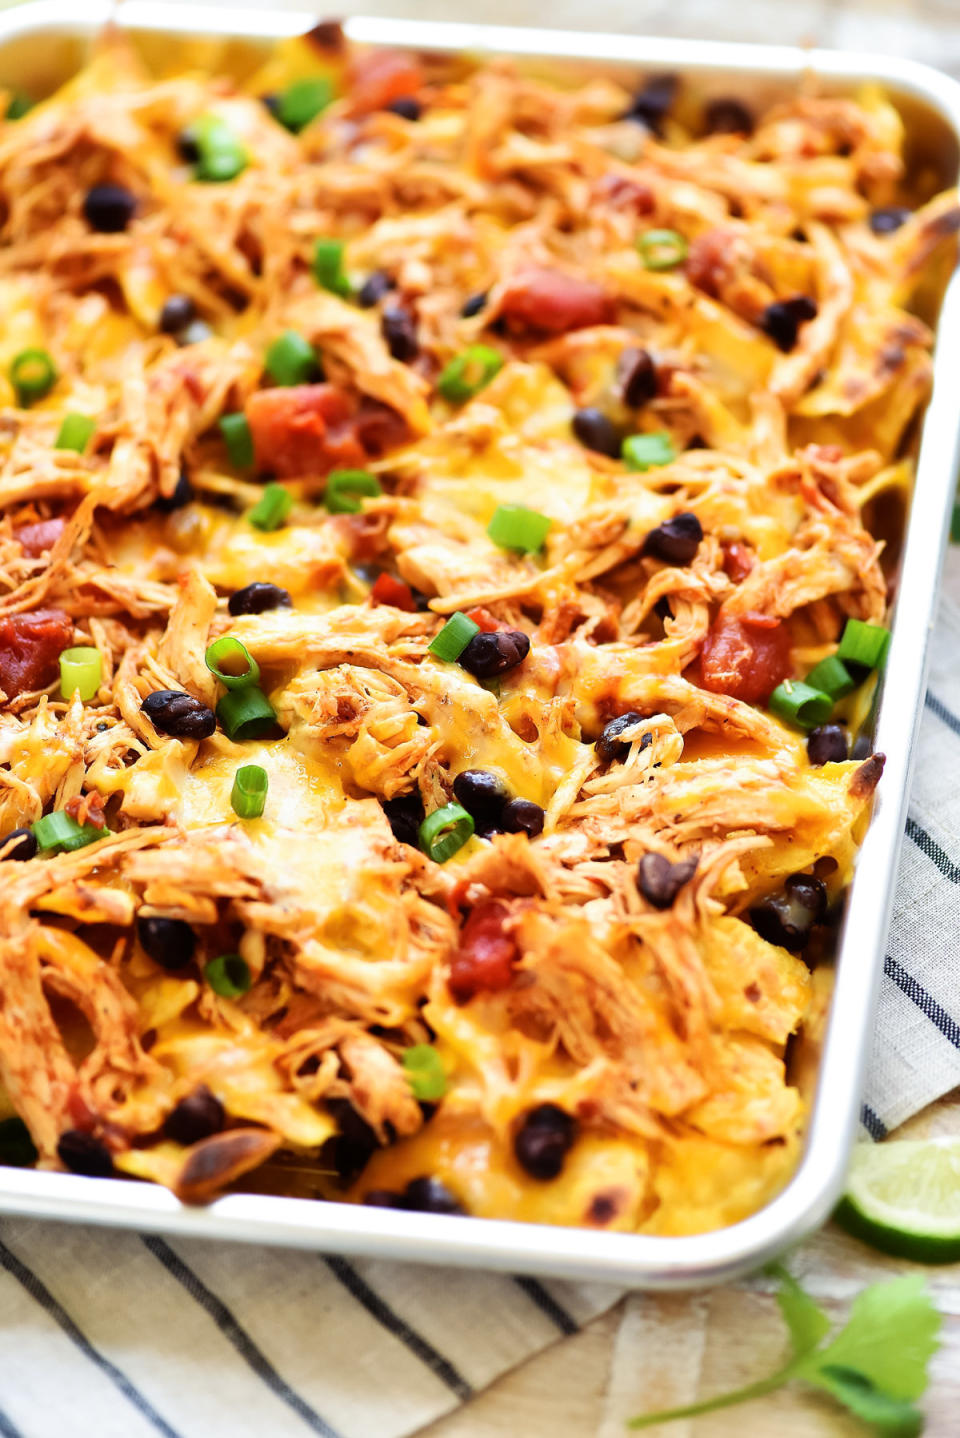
(345, 487)
(246, 714)
(272, 509)
(18, 105)
(425, 1071)
(238, 439)
(662, 249)
(955, 525)
(468, 373)
(228, 975)
(831, 676)
(222, 156)
(865, 644)
(303, 101)
(453, 638)
(75, 432)
(798, 704)
(32, 374)
(81, 670)
(291, 359)
(249, 793)
(648, 451)
(513, 526)
(232, 662)
(57, 831)
(445, 831)
(328, 268)
(17, 1149)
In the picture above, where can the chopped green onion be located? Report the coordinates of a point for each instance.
(221, 155)
(344, 488)
(425, 1071)
(328, 268)
(81, 671)
(32, 374)
(232, 662)
(75, 432)
(291, 359)
(249, 793)
(58, 831)
(303, 101)
(648, 451)
(228, 975)
(662, 249)
(453, 638)
(798, 704)
(246, 714)
(445, 831)
(955, 525)
(865, 644)
(272, 508)
(513, 526)
(17, 1149)
(832, 677)
(238, 439)
(18, 105)
(468, 373)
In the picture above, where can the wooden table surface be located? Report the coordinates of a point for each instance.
(650, 1352)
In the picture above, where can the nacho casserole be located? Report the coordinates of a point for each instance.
(448, 519)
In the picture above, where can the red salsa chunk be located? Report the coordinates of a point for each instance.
(486, 955)
(30, 645)
(746, 658)
(308, 429)
(550, 300)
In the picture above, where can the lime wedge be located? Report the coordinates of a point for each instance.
(904, 1198)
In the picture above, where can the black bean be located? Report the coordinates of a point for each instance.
(356, 1141)
(544, 1139)
(660, 881)
(170, 711)
(177, 312)
(384, 1198)
(429, 1195)
(787, 918)
(827, 744)
(82, 1153)
(726, 116)
(611, 745)
(884, 221)
(197, 1116)
(182, 494)
(406, 107)
(188, 145)
(109, 208)
(169, 942)
(405, 814)
(373, 289)
(258, 597)
(399, 330)
(522, 816)
(597, 431)
(25, 846)
(194, 333)
(676, 540)
(862, 747)
(473, 305)
(637, 376)
(271, 103)
(808, 891)
(488, 655)
(651, 104)
(483, 795)
(781, 321)
(17, 1148)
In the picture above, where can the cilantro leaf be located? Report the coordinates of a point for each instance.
(892, 1417)
(890, 1337)
(806, 1320)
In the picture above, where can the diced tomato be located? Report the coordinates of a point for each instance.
(483, 619)
(544, 299)
(737, 561)
(309, 429)
(388, 590)
(745, 659)
(30, 645)
(87, 809)
(486, 955)
(382, 76)
(36, 539)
